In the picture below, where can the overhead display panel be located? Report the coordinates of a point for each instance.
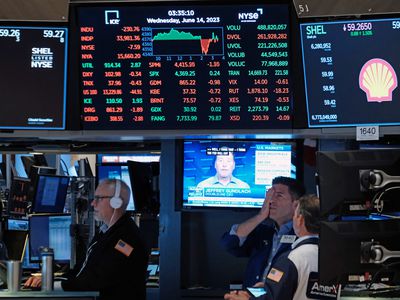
(351, 71)
(335, 8)
(173, 66)
(34, 10)
(33, 86)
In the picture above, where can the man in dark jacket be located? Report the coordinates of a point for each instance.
(294, 275)
(116, 259)
(265, 236)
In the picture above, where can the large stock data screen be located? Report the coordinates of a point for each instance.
(350, 70)
(185, 67)
(33, 82)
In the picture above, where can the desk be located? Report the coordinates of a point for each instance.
(363, 295)
(366, 298)
(49, 295)
(57, 293)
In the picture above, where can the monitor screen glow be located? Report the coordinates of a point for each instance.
(51, 193)
(351, 71)
(50, 231)
(180, 66)
(34, 90)
(254, 165)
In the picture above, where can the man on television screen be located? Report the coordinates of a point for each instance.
(224, 165)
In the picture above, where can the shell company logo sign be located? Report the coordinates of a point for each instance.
(42, 58)
(378, 80)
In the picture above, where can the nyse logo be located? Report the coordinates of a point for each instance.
(42, 58)
(250, 16)
(112, 17)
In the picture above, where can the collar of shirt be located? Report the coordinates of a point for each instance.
(300, 239)
(103, 228)
(216, 181)
(285, 228)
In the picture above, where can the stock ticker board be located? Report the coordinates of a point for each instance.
(185, 67)
(351, 87)
(33, 84)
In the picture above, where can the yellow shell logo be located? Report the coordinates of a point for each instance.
(378, 80)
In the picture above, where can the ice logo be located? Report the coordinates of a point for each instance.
(378, 80)
(112, 17)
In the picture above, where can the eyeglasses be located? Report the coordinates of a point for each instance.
(98, 198)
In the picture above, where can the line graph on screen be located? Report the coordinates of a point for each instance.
(187, 41)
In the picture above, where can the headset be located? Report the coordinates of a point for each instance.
(116, 200)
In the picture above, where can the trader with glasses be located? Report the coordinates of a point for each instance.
(116, 259)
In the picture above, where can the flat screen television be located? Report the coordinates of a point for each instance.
(174, 65)
(351, 70)
(236, 174)
(49, 230)
(51, 193)
(35, 89)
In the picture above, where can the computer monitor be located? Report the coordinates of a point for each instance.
(84, 168)
(28, 161)
(33, 175)
(354, 182)
(145, 189)
(23, 225)
(17, 224)
(15, 241)
(233, 174)
(51, 192)
(19, 197)
(347, 253)
(35, 171)
(48, 230)
(40, 159)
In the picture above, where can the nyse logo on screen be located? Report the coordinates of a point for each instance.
(42, 58)
(251, 16)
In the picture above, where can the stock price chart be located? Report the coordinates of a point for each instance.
(186, 67)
